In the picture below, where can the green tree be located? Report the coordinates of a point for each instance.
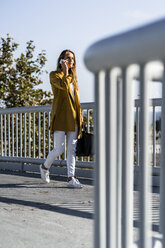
(20, 76)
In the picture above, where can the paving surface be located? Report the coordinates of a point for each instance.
(34, 214)
(39, 215)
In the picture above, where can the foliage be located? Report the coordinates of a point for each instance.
(85, 120)
(158, 125)
(20, 76)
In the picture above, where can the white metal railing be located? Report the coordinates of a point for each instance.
(12, 138)
(25, 135)
(116, 61)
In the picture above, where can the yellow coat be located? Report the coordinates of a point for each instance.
(66, 112)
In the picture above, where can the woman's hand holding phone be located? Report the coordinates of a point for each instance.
(64, 66)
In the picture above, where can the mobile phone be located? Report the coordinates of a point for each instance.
(61, 60)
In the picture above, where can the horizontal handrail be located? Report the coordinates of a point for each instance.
(137, 46)
(47, 108)
(157, 102)
(42, 108)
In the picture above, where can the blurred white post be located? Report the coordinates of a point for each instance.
(144, 183)
(162, 168)
(111, 161)
(100, 173)
(127, 160)
(138, 46)
(119, 162)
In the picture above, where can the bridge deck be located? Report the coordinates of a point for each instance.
(34, 214)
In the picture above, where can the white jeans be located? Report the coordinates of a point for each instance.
(59, 149)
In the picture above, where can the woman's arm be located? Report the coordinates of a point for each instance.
(59, 82)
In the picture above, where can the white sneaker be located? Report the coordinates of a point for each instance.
(74, 183)
(44, 175)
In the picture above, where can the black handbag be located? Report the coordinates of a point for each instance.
(85, 144)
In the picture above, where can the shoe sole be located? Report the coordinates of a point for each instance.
(75, 187)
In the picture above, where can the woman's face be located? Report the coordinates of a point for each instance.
(69, 57)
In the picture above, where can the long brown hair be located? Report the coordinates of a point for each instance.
(71, 70)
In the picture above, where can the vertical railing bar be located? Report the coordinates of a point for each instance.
(108, 164)
(25, 135)
(1, 134)
(39, 136)
(9, 135)
(34, 135)
(84, 123)
(20, 134)
(5, 133)
(137, 136)
(154, 137)
(145, 226)
(162, 166)
(44, 134)
(119, 164)
(29, 133)
(97, 168)
(88, 114)
(16, 116)
(127, 161)
(102, 158)
(111, 161)
(65, 149)
(53, 139)
(13, 135)
(48, 132)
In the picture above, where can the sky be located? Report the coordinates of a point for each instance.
(56, 25)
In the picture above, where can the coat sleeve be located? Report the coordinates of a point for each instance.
(59, 82)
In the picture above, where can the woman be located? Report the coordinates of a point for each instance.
(65, 116)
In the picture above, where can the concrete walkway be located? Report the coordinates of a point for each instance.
(34, 214)
(38, 215)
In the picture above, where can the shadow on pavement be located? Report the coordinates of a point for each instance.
(33, 185)
(48, 207)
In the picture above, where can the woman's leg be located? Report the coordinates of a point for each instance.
(71, 149)
(58, 149)
(71, 159)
